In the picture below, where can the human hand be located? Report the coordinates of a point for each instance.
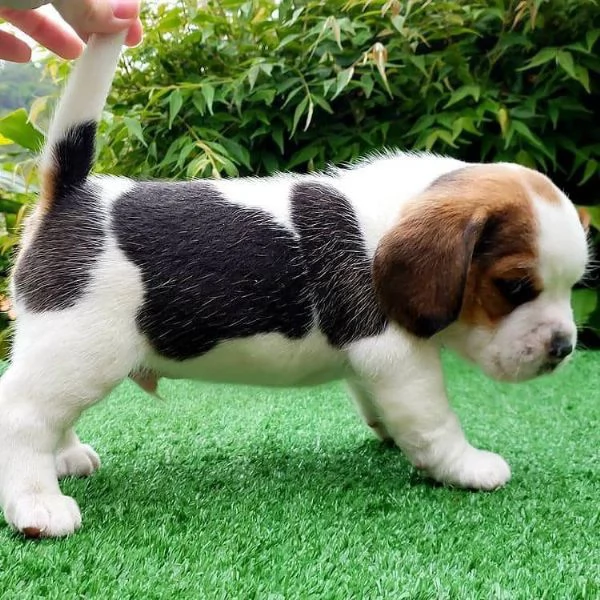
(84, 16)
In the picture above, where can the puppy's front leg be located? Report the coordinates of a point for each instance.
(405, 380)
(369, 411)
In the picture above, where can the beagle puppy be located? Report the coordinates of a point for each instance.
(361, 274)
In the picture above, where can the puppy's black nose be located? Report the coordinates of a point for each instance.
(560, 347)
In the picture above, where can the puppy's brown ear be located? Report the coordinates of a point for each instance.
(584, 217)
(421, 265)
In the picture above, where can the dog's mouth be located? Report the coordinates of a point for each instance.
(517, 372)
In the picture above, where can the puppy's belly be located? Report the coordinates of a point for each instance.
(268, 359)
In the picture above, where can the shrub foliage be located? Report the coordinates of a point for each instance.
(259, 86)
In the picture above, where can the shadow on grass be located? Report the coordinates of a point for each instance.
(370, 477)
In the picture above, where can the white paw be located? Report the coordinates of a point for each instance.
(79, 460)
(474, 469)
(43, 515)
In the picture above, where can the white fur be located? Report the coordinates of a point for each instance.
(87, 89)
(65, 360)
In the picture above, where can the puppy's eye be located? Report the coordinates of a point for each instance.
(517, 291)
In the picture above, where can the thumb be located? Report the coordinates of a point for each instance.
(98, 16)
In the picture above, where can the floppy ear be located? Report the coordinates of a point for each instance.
(421, 265)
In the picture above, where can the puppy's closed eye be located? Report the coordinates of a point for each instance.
(517, 291)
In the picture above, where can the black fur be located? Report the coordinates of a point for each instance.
(55, 269)
(339, 268)
(53, 272)
(74, 157)
(212, 270)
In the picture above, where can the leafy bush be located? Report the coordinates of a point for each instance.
(258, 86)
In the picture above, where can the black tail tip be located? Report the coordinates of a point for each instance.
(74, 156)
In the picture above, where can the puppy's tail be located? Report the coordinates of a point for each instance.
(68, 155)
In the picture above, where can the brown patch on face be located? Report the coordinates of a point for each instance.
(495, 289)
(541, 186)
(458, 251)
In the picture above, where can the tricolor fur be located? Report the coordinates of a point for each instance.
(362, 274)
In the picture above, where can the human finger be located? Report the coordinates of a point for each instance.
(13, 49)
(46, 30)
(99, 16)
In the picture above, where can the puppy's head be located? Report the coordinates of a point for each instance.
(485, 259)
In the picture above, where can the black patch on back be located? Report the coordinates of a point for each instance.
(338, 265)
(54, 270)
(74, 157)
(212, 270)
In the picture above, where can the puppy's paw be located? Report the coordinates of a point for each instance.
(78, 460)
(43, 515)
(474, 469)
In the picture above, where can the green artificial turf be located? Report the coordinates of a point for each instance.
(233, 492)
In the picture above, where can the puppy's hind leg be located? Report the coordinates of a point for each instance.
(62, 363)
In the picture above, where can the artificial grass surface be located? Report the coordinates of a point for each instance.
(232, 492)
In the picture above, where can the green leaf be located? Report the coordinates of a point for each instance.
(583, 302)
(367, 83)
(503, 120)
(253, 75)
(474, 91)
(591, 168)
(320, 101)
(175, 103)
(266, 68)
(526, 133)
(16, 127)
(309, 114)
(307, 153)
(298, 114)
(270, 163)
(438, 134)
(342, 80)
(277, 135)
(591, 37)
(238, 152)
(287, 40)
(398, 23)
(553, 113)
(333, 24)
(541, 58)
(134, 128)
(566, 62)
(424, 122)
(583, 76)
(328, 84)
(524, 158)
(419, 62)
(184, 153)
(208, 91)
(464, 124)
